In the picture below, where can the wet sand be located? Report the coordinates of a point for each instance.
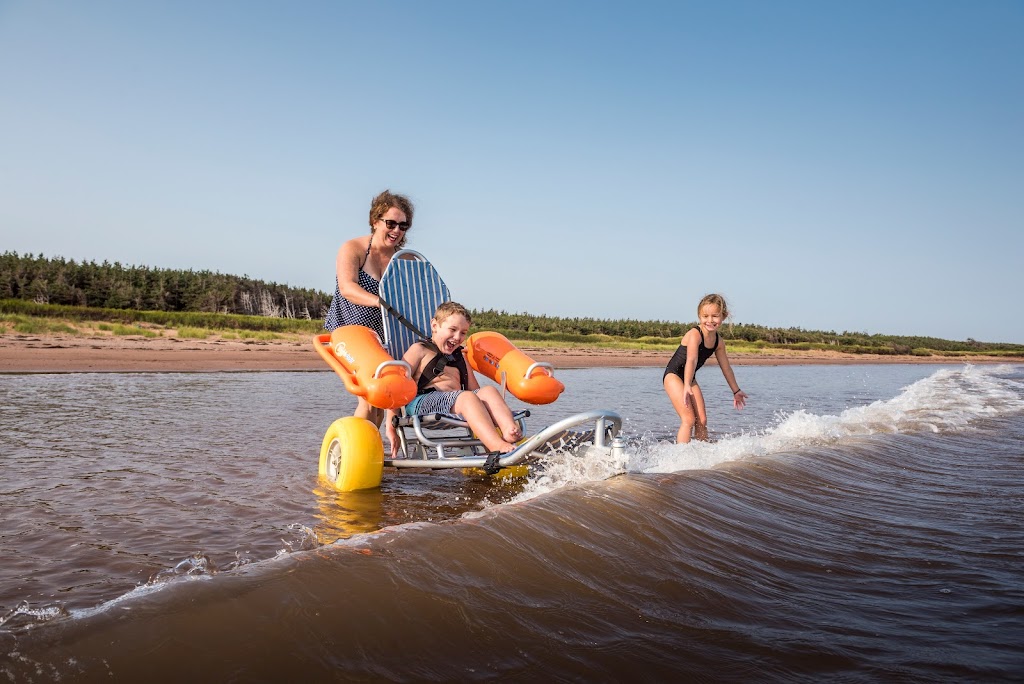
(20, 353)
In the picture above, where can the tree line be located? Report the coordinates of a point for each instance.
(754, 334)
(114, 286)
(62, 282)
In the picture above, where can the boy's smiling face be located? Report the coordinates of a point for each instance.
(450, 333)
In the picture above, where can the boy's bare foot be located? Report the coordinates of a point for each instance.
(511, 433)
(504, 448)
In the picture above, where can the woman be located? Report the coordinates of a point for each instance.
(360, 265)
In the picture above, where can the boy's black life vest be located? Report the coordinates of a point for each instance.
(437, 366)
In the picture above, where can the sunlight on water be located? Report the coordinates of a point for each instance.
(949, 399)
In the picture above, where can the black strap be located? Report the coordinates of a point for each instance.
(367, 255)
(432, 370)
(407, 323)
(437, 365)
(491, 465)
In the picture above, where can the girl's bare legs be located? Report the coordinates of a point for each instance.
(687, 418)
(700, 425)
(693, 417)
(501, 414)
(470, 407)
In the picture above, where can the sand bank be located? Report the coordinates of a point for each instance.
(108, 353)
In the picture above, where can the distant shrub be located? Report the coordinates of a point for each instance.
(42, 326)
(258, 335)
(193, 333)
(124, 330)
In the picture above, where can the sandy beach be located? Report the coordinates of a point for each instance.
(21, 353)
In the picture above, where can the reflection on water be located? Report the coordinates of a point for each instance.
(344, 514)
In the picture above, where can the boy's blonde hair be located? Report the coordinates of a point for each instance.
(449, 309)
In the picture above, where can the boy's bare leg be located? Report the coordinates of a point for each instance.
(470, 407)
(501, 414)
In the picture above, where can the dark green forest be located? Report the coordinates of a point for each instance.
(114, 286)
(48, 286)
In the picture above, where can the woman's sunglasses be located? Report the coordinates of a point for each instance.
(401, 225)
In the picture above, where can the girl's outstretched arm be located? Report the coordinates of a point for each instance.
(739, 397)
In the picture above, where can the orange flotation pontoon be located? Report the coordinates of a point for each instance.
(493, 355)
(368, 371)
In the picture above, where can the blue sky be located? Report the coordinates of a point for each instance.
(824, 165)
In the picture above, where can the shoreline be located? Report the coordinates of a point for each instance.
(27, 353)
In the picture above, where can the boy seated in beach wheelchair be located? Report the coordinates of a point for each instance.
(439, 416)
(449, 395)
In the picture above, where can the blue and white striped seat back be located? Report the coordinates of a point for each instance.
(414, 288)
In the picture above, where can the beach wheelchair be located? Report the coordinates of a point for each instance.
(352, 451)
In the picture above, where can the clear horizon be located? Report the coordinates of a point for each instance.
(824, 166)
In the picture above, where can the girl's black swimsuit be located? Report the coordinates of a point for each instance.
(677, 364)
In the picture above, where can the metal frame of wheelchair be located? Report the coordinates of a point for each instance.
(444, 441)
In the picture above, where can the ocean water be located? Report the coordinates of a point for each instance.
(853, 523)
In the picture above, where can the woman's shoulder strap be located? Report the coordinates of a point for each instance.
(366, 255)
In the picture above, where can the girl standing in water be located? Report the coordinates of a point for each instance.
(696, 347)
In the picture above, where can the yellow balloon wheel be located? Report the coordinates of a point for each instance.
(352, 455)
(511, 472)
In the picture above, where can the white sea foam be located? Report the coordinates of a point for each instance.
(563, 469)
(947, 400)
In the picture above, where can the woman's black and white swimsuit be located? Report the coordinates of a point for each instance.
(343, 312)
